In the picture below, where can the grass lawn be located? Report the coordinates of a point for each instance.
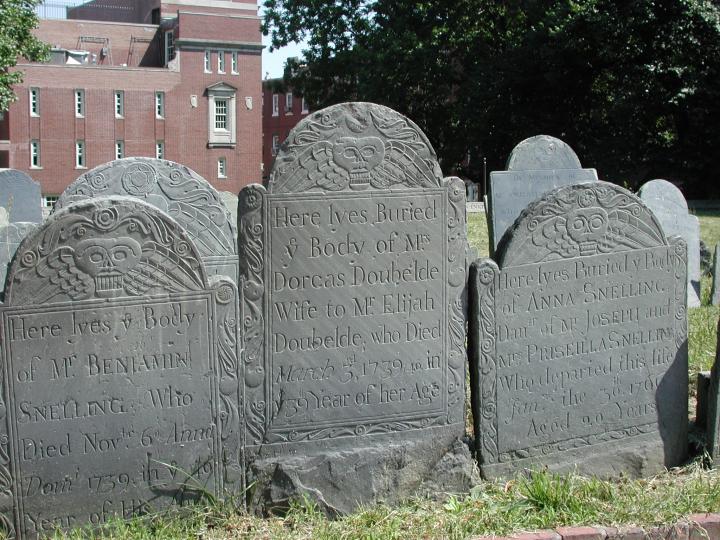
(529, 502)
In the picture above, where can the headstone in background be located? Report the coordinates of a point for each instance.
(120, 389)
(578, 339)
(715, 293)
(670, 208)
(10, 237)
(354, 336)
(536, 166)
(231, 203)
(4, 217)
(175, 189)
(20, 196)
(712, 415)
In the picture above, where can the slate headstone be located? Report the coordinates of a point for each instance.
(712, 414)
(715, 293)
(536, 166)
(120, 390)
(10, 237)
(353, 272)
(4, 217)
(20, 196)
(670, 207)
(578, 339)
(231, 203)
(176, 190)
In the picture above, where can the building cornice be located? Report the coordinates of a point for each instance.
(223, 15)
(219, 4)
(200, 44)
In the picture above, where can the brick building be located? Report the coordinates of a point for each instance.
(176, 79)
(281, 112)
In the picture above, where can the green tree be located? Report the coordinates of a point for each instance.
(17, 19)
(632, 86)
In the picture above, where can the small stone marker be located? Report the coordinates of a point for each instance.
(176, 190)
(715, 293)
(536, 166)
(20, 196)
(712, 408)
(670, 208)
(10, 237)
(578, 339)
(353, 275)
(120, 389)
(231, 203)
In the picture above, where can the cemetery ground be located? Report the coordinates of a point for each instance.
(531, 501)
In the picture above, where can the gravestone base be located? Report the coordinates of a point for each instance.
(641, 457)
(339, 481)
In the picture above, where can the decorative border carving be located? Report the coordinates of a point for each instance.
(681, 298)
(483, 367)
(355, 146)
(229, 377)
(251, 202)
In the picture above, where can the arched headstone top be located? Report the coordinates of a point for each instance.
(20, 196)
(664, 194)
(173, 188)
(542, 152)
(104, 248)
(580, 220)
(355, 146)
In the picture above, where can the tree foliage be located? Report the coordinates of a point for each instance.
(17, 19)
(633, 86)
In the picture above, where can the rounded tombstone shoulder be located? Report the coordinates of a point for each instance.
(173, 188)
(542, 152)
(580, 220)
(104, 248)
(664, 195)
(355, 146)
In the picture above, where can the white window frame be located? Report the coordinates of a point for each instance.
(119, 149)
(219, 136)
(35, 154)
(288, 103)
(305, 108)
(160, 149)
(276, 105)
(208, 62)
(222, 167)
(221, 114)
(169, 46)
(80, 154)
(48, 201)
(34, 104)
(234, 63)
(79, 103)
(275, 145)
(119, 99)
(160, 105)
(221, 61)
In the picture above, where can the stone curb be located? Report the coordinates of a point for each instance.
(697, 527)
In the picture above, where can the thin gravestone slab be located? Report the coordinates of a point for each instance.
(578, 339)
(715, 293)
(535, 167)
(354, 267)
(231, 203)
(120, 390)
(20, 196)
(176, 190)
(10, 237)
(671, 209)
(712, 410)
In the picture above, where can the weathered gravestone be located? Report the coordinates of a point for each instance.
(670, 207)
(354, 330)
(709, 408)
(175, 189)
(536, 166)
(231, 203)
(120, 389)
(715, 292)
(20, 196)
(579, 339)
(10, 237)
